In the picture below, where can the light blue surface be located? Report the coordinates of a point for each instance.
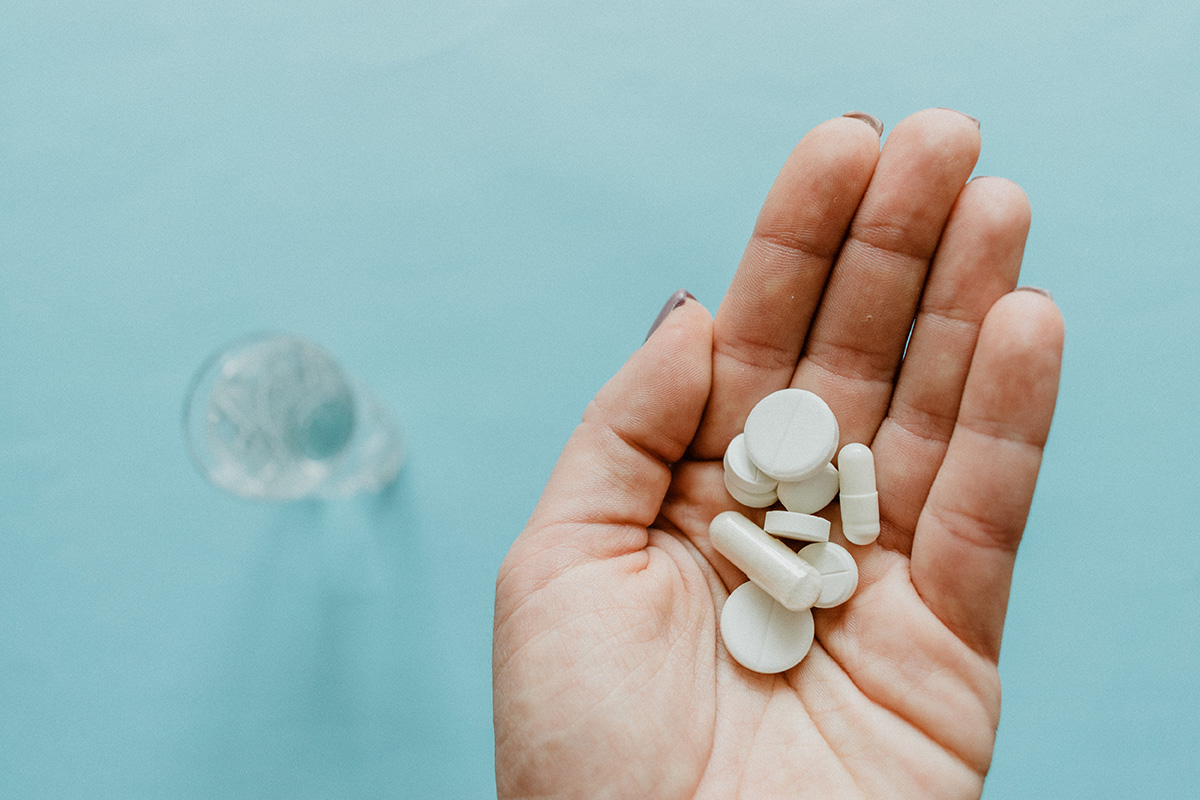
(479, 207)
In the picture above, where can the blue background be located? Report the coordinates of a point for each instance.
(479, 208)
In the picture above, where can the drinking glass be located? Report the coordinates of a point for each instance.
(273, 416)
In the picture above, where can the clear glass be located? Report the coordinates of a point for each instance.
(274, 417)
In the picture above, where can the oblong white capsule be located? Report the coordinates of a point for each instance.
(858, 496)
(792, 581)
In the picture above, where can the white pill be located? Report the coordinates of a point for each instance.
(791, 434)
(741, 472)
(858, 497)
(811, 494)
(749, 498)
(770, 563)
(762, 635)
(801, 527)
(839, 573)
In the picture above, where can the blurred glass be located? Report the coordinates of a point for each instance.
(274, 417)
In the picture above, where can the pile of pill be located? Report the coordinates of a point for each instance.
(785, 454)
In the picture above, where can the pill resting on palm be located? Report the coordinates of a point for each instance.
(839, 573)
(741, 472)
(748, 498)
(801, 527)
(785, 455)
(791, 434)
(745, 482)
(770, 563)
(762, 635)
(811, 494)
(860, 501)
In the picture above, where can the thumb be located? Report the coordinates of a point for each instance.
(616, 467)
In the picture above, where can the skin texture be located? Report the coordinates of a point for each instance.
(610, 677)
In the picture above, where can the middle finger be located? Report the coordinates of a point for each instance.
(858, 336)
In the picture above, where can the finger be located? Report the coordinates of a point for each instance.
(967, 537)
(762, 321)
(977, 263)
(615, 469)
(859, 332)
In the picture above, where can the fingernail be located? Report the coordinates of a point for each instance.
(956, 111)
(673, 302)
(1037, 289)
(872, 120)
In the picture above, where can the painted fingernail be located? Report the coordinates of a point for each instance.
(1037, 289)
(956, 111)
(673, 302)
(872, 120)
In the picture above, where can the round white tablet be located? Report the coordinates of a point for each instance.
(811, 494)
(752, 499)
(791, 434)
(801, 527)
(741, 472)
(762, 635)
(839, 573)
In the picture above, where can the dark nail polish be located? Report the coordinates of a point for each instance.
(673, 302)
(1037, 289)
(872, 120)
(956, 111)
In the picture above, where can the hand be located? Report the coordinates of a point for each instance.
(610, 678)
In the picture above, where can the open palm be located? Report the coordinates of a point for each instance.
(610, 677)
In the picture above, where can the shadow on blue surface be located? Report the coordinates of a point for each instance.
(322, 691)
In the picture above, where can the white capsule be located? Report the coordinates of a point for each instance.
(762, 635)
(741, 472)
(811, 494)
(791, 434)
(770, 563)
(859, 499)
(839, 573)
(801, 527)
